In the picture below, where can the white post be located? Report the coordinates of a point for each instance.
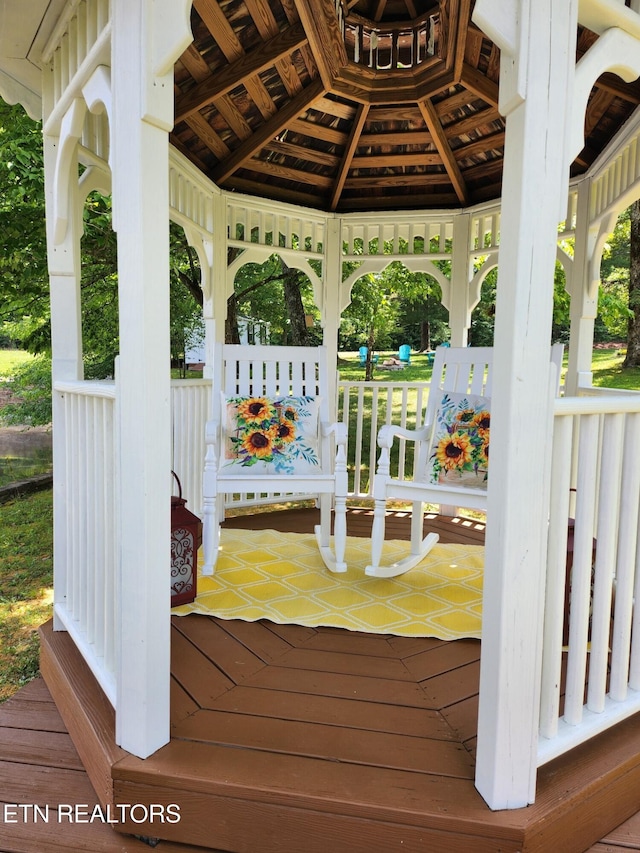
(460, 302)
(66, 336)
(143, 115)
(331, 307)
(538, 61)
(583, 289)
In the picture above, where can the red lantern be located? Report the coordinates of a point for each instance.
(186, 538)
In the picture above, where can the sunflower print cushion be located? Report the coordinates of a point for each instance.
(267, 435)
(459, 450)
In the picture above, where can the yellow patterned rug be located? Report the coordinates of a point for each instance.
(281, 577)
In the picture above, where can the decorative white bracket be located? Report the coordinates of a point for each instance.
(615, 51)
(98, 96)
(168, 34)
(171, 33)
(66, 161)
(506, 24)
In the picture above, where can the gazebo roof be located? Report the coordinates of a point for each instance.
(383, 104)
(341, 105)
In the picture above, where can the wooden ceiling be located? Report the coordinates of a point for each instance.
(356, 105)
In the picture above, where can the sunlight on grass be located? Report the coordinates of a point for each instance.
(12, 358)
(608, 372)
(25, 586)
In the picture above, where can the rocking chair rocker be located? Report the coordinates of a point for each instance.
(270, 433)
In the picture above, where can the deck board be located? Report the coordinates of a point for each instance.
(39, 766)
(287, 738)
(348, 713)
(317, 740)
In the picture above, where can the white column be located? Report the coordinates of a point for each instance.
(583, 288)
(537, 66)
(66, 343)
(460, 300)
(143, 115)
(330, 310)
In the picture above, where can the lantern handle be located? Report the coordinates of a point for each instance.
(179, 484)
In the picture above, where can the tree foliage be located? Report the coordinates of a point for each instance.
(23, 258)
(276, 294)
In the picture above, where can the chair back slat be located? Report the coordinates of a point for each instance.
(276, 371)
(462, 370)
(271, 377)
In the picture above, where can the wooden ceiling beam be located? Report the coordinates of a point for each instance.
(194, 62)
(314, 130)
(268, 131)
(480, 146)
(275, 192)
(440, 141)
(464, 16)
(268, 28)
(403, 112)
(222, 32)
(291, 13)
(247, 66)
(234, 118)
(411, 8)
(334, 108)
(297, 152)
(448, 27)
(420, 179)
(400, 137)
(476, 82)
(299, 176)
(472, 122)
(419, 201)
(396, 161)
(320, 22)
(207, 135)
(378, 10)
(347, 157)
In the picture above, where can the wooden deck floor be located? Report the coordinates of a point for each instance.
(288, 739)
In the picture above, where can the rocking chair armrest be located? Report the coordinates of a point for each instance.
(338, 429)
(212, 432)
(389, 432)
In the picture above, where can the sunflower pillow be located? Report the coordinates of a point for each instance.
(459, 449)
(266, 435)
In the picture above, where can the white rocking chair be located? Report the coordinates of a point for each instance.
(270, 433)
(460, 373)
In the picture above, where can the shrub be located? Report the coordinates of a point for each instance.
(30, 387)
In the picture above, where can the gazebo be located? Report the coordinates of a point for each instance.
(336, 133)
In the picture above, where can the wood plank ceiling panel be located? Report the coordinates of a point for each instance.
(281, 98)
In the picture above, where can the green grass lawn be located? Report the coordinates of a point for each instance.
(418, 370)
(11, 358)
(608, 372)
(25, 586)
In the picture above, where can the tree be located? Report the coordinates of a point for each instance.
(23, 257)
(632, 358)
(372, 313)
(275, 293)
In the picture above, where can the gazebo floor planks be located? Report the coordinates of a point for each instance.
(39, 766)
(287, 738)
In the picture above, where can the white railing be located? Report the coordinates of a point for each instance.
(366, 406)
(595, 480)
(190, 404)
(391, 47)
(86, 586)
